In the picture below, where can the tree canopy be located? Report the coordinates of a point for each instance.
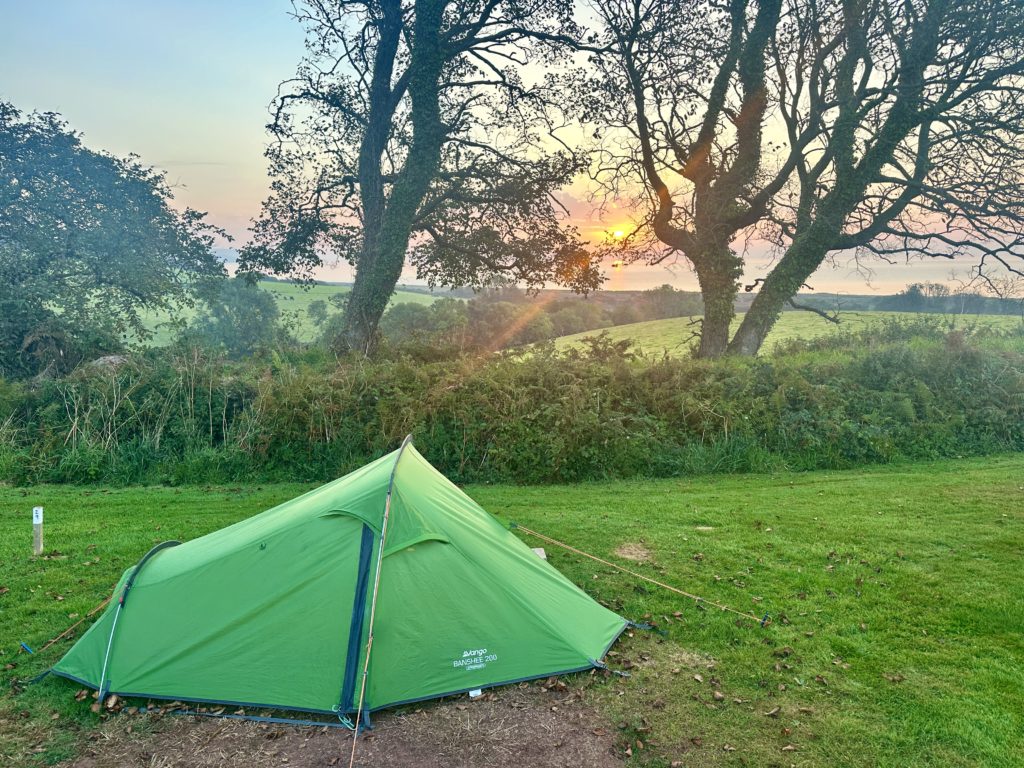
(882, 127)
(88, 242)
(412, 131)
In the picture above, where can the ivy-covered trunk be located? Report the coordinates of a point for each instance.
(780, 286)
(369, 299)
(718, 271)
(388, 221)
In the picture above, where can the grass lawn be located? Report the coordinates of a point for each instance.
(674, 334)
(896, 592)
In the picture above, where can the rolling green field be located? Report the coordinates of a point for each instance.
(898, 619)
(291, 298)
(674, 335)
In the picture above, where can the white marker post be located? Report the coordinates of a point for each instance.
(37, 530)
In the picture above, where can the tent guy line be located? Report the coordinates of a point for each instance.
(763, 620)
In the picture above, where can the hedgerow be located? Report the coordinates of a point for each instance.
(892, 392)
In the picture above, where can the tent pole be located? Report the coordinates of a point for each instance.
(106, 657)
(373, 600)
(120, 604)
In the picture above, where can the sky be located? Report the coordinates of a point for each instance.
(186, 86)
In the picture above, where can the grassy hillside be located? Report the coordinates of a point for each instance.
(894, 592)
(672, 335)
(296, 297)
(291, 298)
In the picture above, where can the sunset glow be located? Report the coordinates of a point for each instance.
(226, 72)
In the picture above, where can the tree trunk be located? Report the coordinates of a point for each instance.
(800, 261)
(718, 271)
(369, 299)
(388, 229)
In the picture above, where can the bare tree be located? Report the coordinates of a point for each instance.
(680, 99)
(921, 142)
(878, 127)
(410, 131)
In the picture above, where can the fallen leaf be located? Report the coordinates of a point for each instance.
(774, 712)
(718, 696)
(789, 748)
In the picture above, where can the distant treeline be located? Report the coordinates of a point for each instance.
(241, 320)
(185, 414)
(507, 318)
(510, 318)
(919, 297)
(233, 317)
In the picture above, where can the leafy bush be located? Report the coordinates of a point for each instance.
(186, 415)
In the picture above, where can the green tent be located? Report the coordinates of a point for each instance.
(275, 611)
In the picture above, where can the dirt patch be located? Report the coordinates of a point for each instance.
(634, 551)
(518, 725)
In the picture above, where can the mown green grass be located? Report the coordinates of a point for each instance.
(898, 632)
(675, 335)
(291, 299)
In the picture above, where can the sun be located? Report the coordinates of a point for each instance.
(618, 234)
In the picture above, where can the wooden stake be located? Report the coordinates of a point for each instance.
(37, 530)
